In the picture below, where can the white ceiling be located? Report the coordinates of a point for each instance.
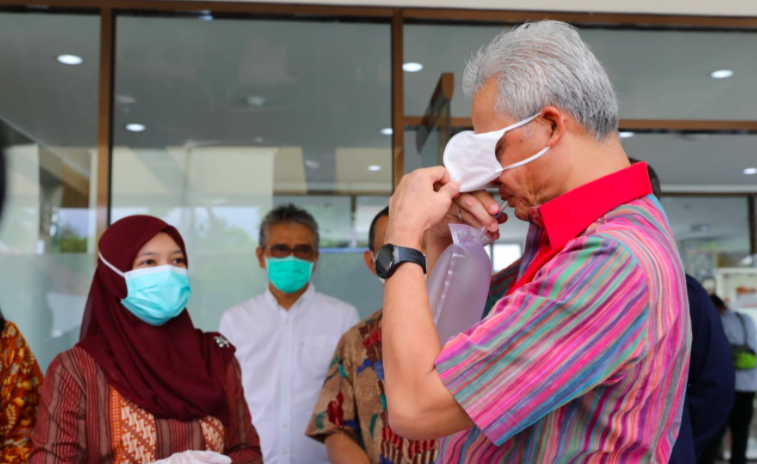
(47, 101)
(686, 7)
(326, 88)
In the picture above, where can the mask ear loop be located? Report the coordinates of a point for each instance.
(527, 160)
(114, 268)
(520, 123)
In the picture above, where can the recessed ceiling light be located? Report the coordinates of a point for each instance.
(387, 131)
(626, 135)
(71, 60)
(721, 74)
(135, 127)
(750, 171)
(206, 17)
(374, 167)
(412, 67)
(312, 164)
(125, 99)
(255, 101)
(258, 139)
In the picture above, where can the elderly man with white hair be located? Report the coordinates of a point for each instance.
(584, 357)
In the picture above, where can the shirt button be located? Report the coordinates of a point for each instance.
(284, 426)
(284, 453)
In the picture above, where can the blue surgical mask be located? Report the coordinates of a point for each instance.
(288, 274)
(155, 294)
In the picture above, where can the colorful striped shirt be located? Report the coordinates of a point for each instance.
(587, 362)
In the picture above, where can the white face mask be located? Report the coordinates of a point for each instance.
(471, 158)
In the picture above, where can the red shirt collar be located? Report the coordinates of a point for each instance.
(568, 215)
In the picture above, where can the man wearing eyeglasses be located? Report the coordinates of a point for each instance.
(285, 338)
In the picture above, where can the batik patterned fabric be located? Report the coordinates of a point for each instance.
(587, 362)
(19, 397)
(352, 400)
(135, 436)
(83, 418)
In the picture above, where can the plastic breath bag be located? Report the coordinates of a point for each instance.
(459, 283)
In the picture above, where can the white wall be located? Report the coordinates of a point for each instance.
(687, 7)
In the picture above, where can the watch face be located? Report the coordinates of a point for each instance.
(384, 260)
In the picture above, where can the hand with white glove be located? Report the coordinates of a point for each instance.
(196, 457)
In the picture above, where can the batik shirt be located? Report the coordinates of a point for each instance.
(83, 418)
(19, 397)
(352, 400)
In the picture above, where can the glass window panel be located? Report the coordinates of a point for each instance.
(240, 116)
(428, 155)
(440, 49)
(711, 232)
(698, 162)
(504, 254)
(657, 74)
(48, 121)
(333, 214)
(367, 209)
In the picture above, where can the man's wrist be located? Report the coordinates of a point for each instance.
(404, 237)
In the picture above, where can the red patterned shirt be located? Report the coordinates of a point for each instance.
(84, 419)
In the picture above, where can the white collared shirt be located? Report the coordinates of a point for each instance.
(284, 357)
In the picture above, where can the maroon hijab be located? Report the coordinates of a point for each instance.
(173, 371)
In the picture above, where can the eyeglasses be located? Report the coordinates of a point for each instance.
(305, 252)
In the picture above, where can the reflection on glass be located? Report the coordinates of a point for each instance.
(48, 122)
(427, 157)
(686, 162)
(366, 209)
(333, 214)
(711, 232)
(239, 116)
(657, 74)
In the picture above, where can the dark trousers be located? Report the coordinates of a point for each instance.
(738, 423)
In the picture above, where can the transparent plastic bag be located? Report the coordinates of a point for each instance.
(459, 283)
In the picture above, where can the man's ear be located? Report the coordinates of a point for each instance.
(557, 120)
(369, 263)
(261, 257)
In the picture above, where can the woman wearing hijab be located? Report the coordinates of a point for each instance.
(143, 385)
(19, 396)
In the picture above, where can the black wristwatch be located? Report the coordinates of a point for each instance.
(391, 256)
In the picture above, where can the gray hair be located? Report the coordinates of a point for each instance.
(287, 213)
(541, 64)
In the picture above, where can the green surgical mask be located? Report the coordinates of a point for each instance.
(288, 274)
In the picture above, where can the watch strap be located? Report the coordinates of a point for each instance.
(410, 255)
